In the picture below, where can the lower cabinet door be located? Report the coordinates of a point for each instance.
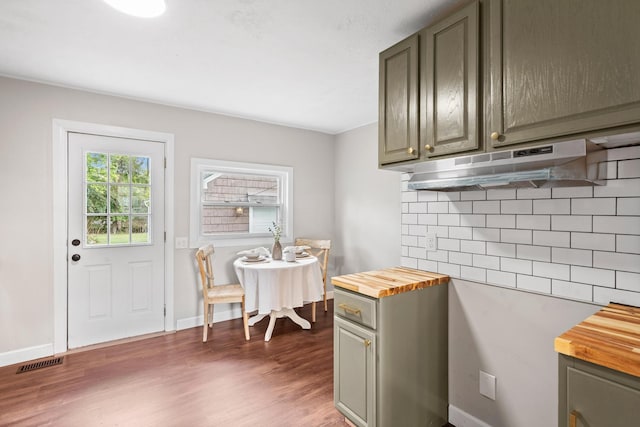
(354, 372)
(593, 401)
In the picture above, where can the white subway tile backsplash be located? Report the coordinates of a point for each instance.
(417, 208)
(472, 246)
(571, 192)
(501, 221)
(448, 219)
(516, 207)
(533, 283)
(572, 256)
(451, 196)
(473, 195)
(629, 168)
(427, 196)
(438, 207)
(448, 244)
(427, 265)
(441, 256)
(409, 218)
(581, 243)
(415, 252)
(465, 233)
(501, 194)
(628, 281)
(501, 278)
(501, 249)
(461, 258)
(606, 295)
(624, 153)
(428, 219)
(550, 270)
(473, 273)
(533, 222)
(486, 207)
(603, 206)
(617, 261)
(618, 188)
(629, 206)
(571, 223)
(628, 244)
(461, 207)
(603, 242)
(409, 240)
(552, 206)
(571, 290)
(552, 238)
(534, 193)
(473, 220)
(410, 196)
(616, 224)
(486, 261)
(516, 265)
(409, 262)
(536, 253)
(593, 276)
(607, 170)
(486, 234)
(516, 236)
(438, 230)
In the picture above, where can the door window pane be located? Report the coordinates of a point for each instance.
(117, 186)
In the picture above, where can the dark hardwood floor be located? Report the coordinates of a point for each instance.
(177, 380)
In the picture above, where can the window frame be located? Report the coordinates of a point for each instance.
(200, 165)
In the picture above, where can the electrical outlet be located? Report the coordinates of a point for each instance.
(488, 385)
(182, 242)
(431, 242)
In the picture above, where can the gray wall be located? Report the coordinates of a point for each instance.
(26, 114)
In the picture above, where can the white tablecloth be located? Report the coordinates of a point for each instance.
(275, 285)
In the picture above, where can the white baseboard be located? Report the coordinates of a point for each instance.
(24, 354)
(459, 418)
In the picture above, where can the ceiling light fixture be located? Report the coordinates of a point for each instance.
(139, 8)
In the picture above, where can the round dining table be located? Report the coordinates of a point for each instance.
(275, 287)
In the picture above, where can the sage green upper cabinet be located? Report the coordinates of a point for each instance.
(449, 84)
(561, 67)
(398, 103)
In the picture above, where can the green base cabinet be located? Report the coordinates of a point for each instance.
(595, 396)
(390, 358)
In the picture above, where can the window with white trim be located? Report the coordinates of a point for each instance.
(234, 204)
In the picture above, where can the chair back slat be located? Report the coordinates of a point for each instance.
(204, 255)
(320, 249)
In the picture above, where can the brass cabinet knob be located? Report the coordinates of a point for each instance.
(495, 136)
(411, 150)
(428, 147)
(367, 343)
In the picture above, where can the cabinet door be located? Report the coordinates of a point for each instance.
(449, 85)
(398, 97)
(354, 372)
(599, 402)
(562, 67)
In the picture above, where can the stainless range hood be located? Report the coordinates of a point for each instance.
(562, 164)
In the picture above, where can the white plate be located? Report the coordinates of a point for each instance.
(302, 255)
(259, 259)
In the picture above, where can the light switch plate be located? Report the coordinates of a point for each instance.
(182, 242)
(431, 242)
(488, 385)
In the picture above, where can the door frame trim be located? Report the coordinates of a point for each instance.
(60, 219)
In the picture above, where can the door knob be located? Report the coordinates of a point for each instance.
(75, 257)
(75, 242)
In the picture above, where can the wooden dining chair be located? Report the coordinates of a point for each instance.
(319, 249)
(214, 294)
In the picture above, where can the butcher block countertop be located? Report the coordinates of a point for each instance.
(389, 281)
(610, 338)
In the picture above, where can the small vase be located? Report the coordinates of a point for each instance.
(276, 251)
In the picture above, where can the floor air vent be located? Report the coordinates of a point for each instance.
(41, 364)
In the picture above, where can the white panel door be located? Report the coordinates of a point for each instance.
(116, 238)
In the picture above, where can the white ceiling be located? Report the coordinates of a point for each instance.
(310, 64)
